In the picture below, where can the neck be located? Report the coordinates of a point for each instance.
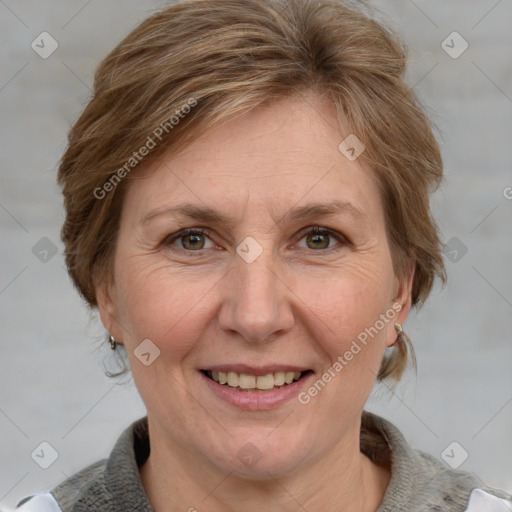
(343, 479)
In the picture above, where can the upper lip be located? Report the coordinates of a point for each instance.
(256, 370)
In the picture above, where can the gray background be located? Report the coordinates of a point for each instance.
(51, 368)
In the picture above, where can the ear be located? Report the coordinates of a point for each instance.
(107, 308)
(402, 302)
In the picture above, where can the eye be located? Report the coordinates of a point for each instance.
(196, 239)
(189, 239)
(319, 238)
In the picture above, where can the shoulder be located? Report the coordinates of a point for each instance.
(419, 481)
(455, 490)
(488, 501)
(63, 497)
(42, 502)
(109, 484)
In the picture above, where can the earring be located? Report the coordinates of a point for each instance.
(113, 343)
(399, 331)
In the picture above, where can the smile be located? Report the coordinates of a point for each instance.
(250, 392)
(247, 382)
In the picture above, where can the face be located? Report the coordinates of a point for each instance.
(285, 267)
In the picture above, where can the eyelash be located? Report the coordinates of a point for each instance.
(313, 230)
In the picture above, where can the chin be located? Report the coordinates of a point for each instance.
(260, 458)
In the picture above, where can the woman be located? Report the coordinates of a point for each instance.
(247, 200)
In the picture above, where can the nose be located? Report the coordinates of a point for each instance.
(256, 301)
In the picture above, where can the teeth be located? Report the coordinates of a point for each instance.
(246, 381)
(279, 378)
(265, 381)
(262, 382)
(233, 379)
(288, 377)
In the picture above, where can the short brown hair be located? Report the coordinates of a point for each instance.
(229, 56)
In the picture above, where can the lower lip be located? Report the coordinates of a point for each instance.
(256, 400)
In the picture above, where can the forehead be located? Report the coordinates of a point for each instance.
(269, 159)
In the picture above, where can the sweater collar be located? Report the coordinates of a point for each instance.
(381, 441)
(122, 477)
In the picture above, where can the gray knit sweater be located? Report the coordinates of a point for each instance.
(419, 482)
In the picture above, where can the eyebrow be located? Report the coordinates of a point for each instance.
(209, 215)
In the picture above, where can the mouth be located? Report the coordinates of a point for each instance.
(246, 382)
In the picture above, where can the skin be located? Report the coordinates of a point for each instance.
(302, 301)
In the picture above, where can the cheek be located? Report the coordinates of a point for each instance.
(162, 304)
(345, 313)
(344, 326)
